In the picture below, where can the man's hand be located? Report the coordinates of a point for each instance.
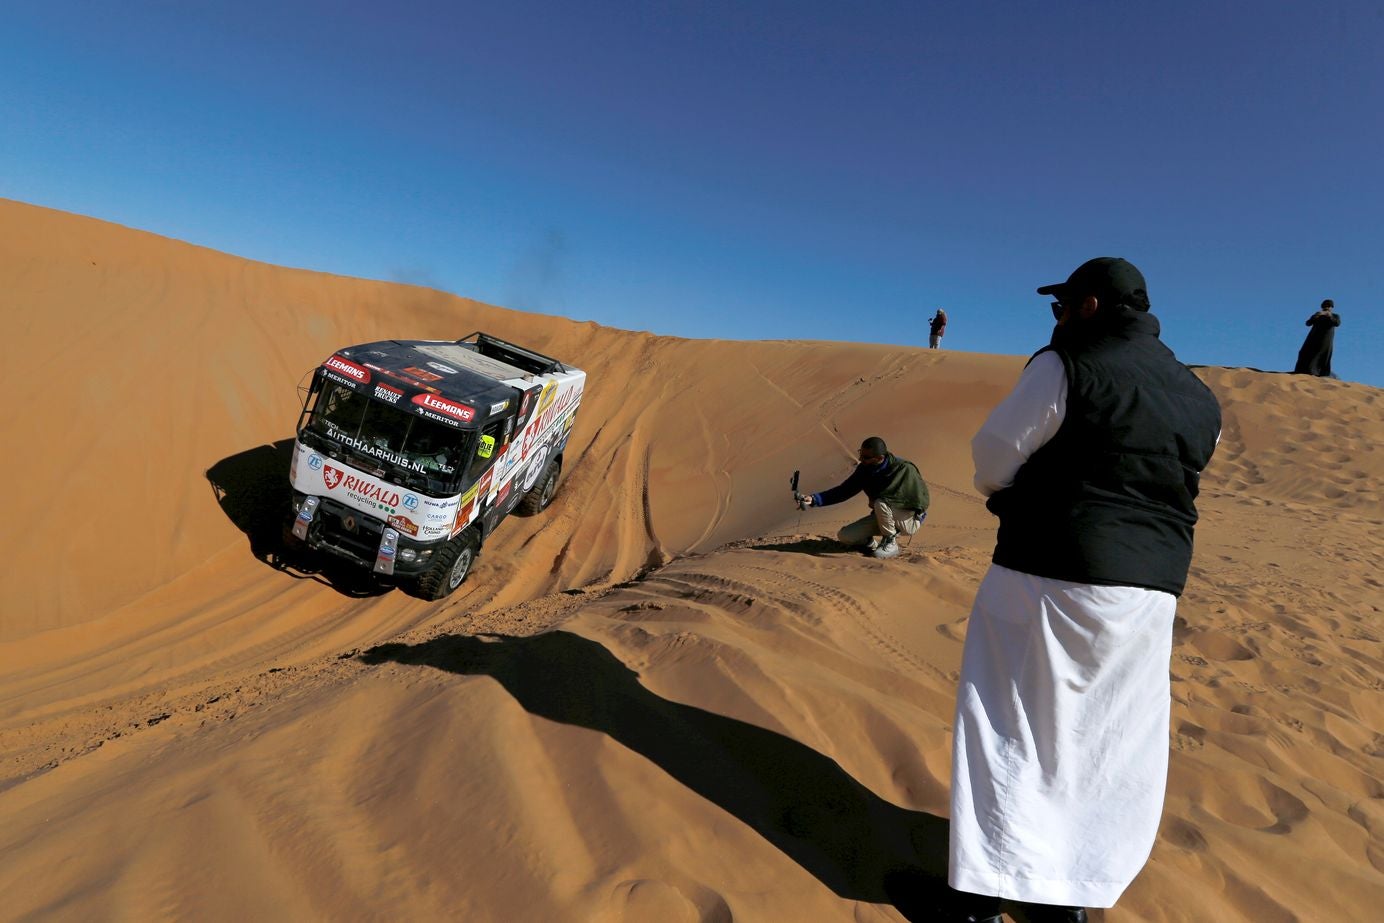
(804, 500)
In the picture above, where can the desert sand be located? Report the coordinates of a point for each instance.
(669, 697)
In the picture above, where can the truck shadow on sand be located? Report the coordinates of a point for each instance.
(804, 803)
(252, 489)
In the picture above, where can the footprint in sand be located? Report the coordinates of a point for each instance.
(642, 899)
(1218, 646)
(1183, 834)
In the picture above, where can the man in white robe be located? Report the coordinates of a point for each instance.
(1061, 736)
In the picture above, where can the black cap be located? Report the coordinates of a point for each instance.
(1111, 279)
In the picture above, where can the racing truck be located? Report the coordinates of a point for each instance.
(409, 453)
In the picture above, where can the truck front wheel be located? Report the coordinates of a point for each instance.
(450, 566)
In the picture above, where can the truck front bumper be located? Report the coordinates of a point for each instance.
(341, 531)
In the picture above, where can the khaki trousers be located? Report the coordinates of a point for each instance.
(883, 521)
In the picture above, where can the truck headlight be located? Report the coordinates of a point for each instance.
(408, 554)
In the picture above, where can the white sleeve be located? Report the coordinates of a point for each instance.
(1021, 424)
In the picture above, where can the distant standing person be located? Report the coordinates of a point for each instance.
(1315, 356)
(898, 499)
(1092, 463)
(937, 328)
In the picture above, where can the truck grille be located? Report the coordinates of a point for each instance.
(360, 544)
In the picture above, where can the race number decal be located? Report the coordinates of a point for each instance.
(531, 474)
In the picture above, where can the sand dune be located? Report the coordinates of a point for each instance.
(668, 697)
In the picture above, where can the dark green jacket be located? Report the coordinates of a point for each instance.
(896, 482)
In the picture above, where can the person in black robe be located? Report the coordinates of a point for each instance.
(1315, 356)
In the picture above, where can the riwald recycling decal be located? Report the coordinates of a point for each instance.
(327, 477)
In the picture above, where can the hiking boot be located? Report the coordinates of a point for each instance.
(1049, 913)
(889, 548)
(873, 544)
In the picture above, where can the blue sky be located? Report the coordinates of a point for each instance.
(759, 170)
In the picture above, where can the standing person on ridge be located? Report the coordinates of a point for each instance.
(1314, 358)
(898, 499)
(937, 328)
(1092, 463)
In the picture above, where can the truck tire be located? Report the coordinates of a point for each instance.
(543, 490)
(450, 566)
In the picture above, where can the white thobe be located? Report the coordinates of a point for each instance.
(1060, 757)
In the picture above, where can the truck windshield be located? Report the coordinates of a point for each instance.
(422, 454)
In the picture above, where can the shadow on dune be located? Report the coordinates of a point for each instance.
(856, 843)
(817, 547)
(252, 489)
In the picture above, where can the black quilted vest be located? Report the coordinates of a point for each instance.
(1110, 499)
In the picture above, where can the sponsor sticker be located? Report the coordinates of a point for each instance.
(545, 399)
(386, 393)
(404, 524)
(496, 408)
(444, 369)
(362, 491)
(342, 380)
(507, 461)
(410, 502)
(443, 406)
(463, 515)
(357, 373)
(422, 374)
(487, 448)
(315, 462)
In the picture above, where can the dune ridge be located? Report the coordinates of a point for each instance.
(668, 697)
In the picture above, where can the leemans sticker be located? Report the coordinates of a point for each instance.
(349, 369)
(443, 406)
